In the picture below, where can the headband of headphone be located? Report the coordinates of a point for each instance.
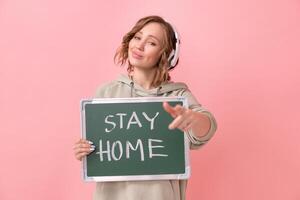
(174, 55)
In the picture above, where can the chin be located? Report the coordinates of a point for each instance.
(135, 62)
(139, 64)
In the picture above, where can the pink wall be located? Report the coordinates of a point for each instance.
(238, 57)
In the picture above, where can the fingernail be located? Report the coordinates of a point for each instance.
(93, 146)
(90, 142)
(92, 149)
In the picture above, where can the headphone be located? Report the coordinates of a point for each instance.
(174, 55)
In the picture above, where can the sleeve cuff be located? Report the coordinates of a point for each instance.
(196, 142)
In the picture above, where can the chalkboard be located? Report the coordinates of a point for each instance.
(132, 140)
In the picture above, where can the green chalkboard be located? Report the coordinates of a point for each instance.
(132, 140)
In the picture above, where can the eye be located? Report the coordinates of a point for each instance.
(152, 44)
(136, 37)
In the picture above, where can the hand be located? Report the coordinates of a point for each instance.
(83, 148)
(184, 118)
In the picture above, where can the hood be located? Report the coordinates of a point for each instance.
(140, 91)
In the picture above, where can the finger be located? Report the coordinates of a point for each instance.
(80, 150)
(82, 145)
(189, 126)
(174, 111)
(176, 122)
(186, 122)
(81, 155)
(184, 119)
(78, 142)
(182, 115)
(184, 126)
(87, 142)
(83, 152)
(82, 142)
(169, 109)
(179, 110)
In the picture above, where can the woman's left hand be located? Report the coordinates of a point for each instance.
(185, 118)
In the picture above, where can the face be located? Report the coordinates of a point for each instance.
(145, 47)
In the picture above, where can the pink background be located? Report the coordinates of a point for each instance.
(240, 59)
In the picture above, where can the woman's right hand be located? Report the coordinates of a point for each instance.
(83, 148)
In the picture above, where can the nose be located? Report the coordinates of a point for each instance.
(140, 45)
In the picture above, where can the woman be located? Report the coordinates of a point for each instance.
(151, 50)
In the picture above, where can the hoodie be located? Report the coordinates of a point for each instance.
(154, 189)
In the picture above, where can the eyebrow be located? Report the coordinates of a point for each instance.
(151, 36)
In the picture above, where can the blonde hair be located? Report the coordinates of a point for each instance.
(169, 42)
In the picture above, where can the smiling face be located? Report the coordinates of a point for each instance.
(146, 46)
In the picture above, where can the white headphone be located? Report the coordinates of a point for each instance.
(174, 55)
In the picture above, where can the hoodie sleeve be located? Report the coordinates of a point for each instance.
(197, 142)
(104, 90)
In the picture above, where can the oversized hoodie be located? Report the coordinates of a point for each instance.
(154, 189)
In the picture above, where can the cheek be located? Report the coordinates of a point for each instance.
(154, 54)
(130, 45)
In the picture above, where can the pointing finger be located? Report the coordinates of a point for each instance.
(176, 122)
(169, 109)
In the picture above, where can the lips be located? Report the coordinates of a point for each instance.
(136, 55)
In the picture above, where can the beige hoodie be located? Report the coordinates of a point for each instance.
(150, 190)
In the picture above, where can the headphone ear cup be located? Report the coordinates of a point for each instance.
(171, 56)
(174, 55)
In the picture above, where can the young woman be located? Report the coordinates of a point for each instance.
(150, 50)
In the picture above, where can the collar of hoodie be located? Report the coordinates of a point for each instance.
(132, 89)
(138, 91)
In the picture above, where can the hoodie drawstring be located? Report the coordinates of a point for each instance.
(131, 88)
(158, 90)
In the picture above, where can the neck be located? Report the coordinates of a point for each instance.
(143, 77)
